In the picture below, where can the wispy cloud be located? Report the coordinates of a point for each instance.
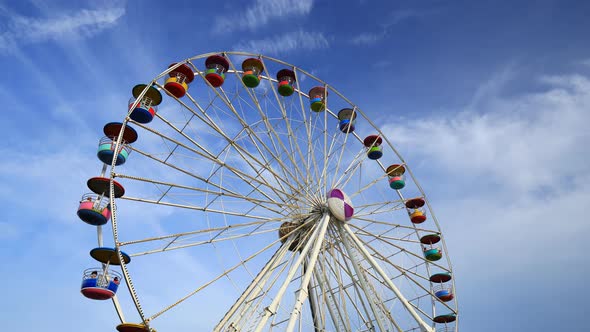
(368, 38)
(396, 17)
(382, 64)
(402, 15)
(71, 25)
(513, 169)
(261, 13)
(520, 143)
(284, 43)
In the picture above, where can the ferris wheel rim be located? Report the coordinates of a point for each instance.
(113, 174)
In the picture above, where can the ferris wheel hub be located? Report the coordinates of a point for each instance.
(340, 205)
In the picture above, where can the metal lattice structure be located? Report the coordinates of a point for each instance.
(257, 187)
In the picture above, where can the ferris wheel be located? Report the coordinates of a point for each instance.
(245, 194)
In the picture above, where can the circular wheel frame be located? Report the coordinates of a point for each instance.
(221, 170)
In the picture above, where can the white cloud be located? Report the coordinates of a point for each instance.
(285, 43)
(382, 63)
(402, 15)
(551, 227)
(72, 25)
(526, 143)
(367, 38)
(396, 17)
(509, 178)
(261, 13)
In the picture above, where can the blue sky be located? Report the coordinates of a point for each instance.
(487, 101)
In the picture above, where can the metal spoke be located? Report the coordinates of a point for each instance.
(344, 228)
(270, 129)
(253, 137)
(225, 273)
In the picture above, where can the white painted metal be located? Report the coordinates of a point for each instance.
(364, 284)
(273, 162)
(257, 283)
(313, 258)
(313, 240)
(425, 327)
